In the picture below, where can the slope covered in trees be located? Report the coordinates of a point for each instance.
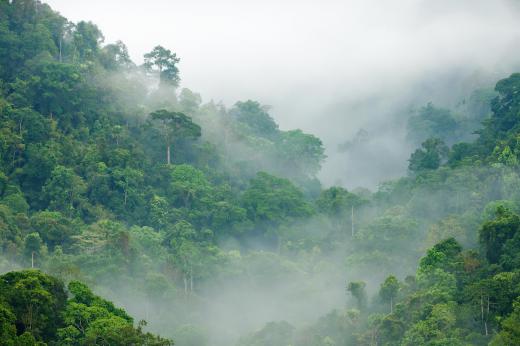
(210, 223)
(35, 310)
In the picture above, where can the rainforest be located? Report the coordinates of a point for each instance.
(134, 212)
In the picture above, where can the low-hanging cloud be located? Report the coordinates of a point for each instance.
(327, 67)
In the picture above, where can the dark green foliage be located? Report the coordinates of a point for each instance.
(506, 107)
(357, 289)
(34, 310)
(432, 154)
(273, 200)
(165, 62)
(495, 233)
(87, 194)
(36, 300)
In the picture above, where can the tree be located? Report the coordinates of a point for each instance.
(431, 121)
(189, 101)
(32, 246)
(510, 333)
(87, 39)
(506, 106)
(338, 203)
(174, 125)
(115, 56)
(255, 117)
(64, 190)
(357, 290)
(388, 291)
(187, 252)
(164, 62)
(432, 154)
(301, 153)
(37, 301)
(129, 180)
(271, 200)
(495, 233)
(53, 227)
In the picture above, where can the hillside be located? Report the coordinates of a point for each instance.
(209, 221)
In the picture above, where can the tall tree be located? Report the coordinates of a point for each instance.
(163, 61)
(388, 291)
(174, 125)
(357, 289)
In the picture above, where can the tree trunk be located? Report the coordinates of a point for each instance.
(168, 154)
(352, 220)
(482, 308)
(391, 305)
(487, 316)
(32, 259)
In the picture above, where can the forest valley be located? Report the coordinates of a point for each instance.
(208, 222)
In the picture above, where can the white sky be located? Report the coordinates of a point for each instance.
(304, 57)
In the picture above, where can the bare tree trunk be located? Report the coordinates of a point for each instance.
(352, 220)
(32, 259)
(168, 154)
(185, 285)
(60, 50)
(487, 315)
(391, 305)
(482, 308)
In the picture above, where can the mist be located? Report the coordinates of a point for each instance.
(328, 67)
(246, 225)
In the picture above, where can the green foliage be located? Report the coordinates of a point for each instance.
(357, 289)
(34, 310)
(432, 154)
(389, 289)
(272, 200)
(255, 117)
(430, 122)
(510, 333)
(495, 233)
(174, 126)
(164, 61)
(85, 194)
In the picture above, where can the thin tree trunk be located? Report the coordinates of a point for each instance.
(352, 220)
(487, 315)
(482, 308)
(32, 259)
(391, 305)
(168, 154)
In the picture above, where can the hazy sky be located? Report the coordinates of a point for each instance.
(314, 61)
